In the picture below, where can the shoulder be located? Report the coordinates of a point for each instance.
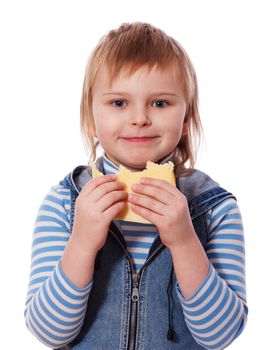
(77, 178)
(225, 212)
(55, 207)
(59, 193)
(57, 199)
(60, 190)
(195, 184)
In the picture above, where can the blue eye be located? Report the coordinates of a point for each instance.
(159, 104)
(119, 103)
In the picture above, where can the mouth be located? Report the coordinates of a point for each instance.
(139, 138)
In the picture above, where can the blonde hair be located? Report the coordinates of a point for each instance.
(132, 46)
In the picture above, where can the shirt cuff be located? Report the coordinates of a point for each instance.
(202, 287)
(69, 285)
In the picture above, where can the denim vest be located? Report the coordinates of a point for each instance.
(130, 311)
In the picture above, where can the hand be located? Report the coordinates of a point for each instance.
(165, 207)
(100, 200)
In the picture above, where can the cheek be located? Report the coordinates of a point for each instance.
(106, 128)
(175, 127)
(102, 132)
(99, 125)
(176, 136)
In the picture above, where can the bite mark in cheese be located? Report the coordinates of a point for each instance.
(153, 170)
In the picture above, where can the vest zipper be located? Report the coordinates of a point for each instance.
(135, 291)
(133, 318)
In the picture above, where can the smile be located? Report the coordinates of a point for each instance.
(139, 139)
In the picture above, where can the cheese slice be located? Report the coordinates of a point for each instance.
(153, 170)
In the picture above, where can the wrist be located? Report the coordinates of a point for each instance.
(83, 243)
(78, 263)
(190, 263)
(184, 242)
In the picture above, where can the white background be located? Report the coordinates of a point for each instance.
(44, 50)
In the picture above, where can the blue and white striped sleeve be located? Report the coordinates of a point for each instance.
(217, 312)
(55, 307)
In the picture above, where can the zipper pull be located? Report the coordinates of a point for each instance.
(135, 294)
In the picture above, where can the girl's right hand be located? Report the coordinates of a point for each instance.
(98, 203)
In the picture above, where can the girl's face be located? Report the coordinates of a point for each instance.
(139, 117)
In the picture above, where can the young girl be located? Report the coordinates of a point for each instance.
(176, 283)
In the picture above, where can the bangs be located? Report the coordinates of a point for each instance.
(133, 46)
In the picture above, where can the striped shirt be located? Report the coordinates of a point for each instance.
(55, 308)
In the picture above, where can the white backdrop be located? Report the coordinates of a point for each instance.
(44, 49)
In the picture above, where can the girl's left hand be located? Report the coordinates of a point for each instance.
(165, 207)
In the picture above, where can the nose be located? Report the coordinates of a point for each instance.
(139, 117)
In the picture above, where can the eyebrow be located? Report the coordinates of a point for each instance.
(153, 94)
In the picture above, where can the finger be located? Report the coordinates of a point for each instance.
(153, 192)
(104, 189)
(115, 209)
(147, 214)
(110, 199)
(162, 184)
(95, 183)
(147, 203)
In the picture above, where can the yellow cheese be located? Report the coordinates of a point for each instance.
(153, 170)
(95, 171)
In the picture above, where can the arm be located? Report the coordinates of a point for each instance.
(55, 307)
(191, 264)
(166, 207)
(216, 313)
(62, 266)
(214, 307)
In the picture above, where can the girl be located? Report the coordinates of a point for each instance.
(176, 283)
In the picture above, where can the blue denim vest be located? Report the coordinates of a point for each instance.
(130, 311)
